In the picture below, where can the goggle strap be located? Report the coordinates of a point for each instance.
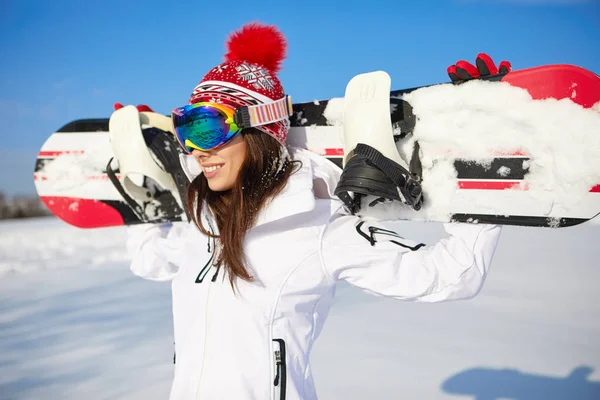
(263, 114)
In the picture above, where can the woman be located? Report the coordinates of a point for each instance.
(253, 275)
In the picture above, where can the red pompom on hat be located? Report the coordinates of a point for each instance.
(248, 75)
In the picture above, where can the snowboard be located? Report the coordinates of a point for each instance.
(521, 148)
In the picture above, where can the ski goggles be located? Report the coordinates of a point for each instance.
(207, 126)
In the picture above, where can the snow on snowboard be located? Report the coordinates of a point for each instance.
(521, 148)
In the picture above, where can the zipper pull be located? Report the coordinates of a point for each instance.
(214, 278)
(278, 363)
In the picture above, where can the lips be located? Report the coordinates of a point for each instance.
(211, 170)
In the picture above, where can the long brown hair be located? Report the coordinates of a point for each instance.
(263, 175)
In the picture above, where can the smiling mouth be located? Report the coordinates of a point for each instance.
(212, 168)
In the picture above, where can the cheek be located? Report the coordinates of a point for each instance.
(234, 156)
(237, 158)
(241, 156)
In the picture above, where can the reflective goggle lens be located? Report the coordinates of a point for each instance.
(204, 126)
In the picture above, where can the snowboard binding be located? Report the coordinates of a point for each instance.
(370, 173)
(144, 145)
(372, 165)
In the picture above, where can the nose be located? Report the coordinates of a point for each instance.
(201, 153)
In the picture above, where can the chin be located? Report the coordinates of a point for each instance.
(219, 186)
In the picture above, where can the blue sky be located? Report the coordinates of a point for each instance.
(66, 60)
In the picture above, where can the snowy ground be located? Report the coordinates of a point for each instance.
(74, 324)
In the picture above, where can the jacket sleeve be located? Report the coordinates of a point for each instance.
(155, 250)
(378, 260)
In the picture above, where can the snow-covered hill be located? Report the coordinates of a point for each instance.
(75, 324)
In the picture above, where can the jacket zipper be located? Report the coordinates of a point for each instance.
(281, 374)
(207, 317)
(207, 308)
(208, 265)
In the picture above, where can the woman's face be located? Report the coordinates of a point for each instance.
(222, 166)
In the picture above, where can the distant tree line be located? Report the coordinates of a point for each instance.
(21, 207)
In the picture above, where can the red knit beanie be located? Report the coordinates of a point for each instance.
(248, 75)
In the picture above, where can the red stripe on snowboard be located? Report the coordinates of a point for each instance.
(488, 185)
(83, 213)
(501, 185)
(333, 152)
(37, 177)
(56, 153)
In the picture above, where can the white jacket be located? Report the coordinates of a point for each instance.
(255, 344)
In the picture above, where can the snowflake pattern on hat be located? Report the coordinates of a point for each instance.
(220, 68)
(251, 77)
(258, 77)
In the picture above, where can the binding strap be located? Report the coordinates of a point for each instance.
(407, 183)
(164, 146)
(137, 209)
